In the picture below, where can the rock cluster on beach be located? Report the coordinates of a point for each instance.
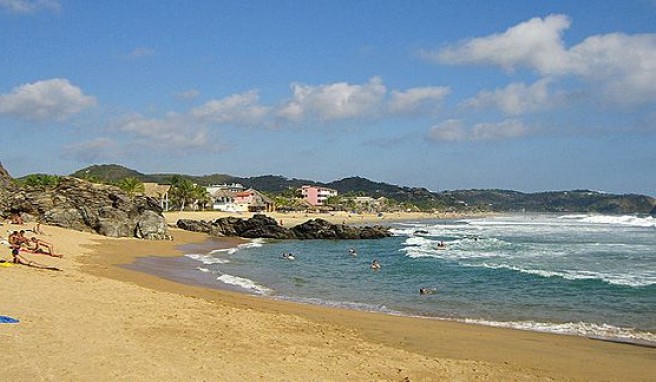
(261, 226)
(84, 206)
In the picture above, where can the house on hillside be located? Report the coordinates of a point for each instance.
(317, 196)
(160, 192)
(234, 187)
(254, 201)
(223, 200)
(249, 200)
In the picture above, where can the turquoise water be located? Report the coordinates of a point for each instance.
(573, 274)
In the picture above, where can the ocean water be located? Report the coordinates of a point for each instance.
(586, 275)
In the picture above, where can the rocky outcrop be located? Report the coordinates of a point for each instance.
(85, 206)
(261, 226)
(653, 212)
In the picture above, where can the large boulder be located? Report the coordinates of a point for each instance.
(323, 229)
(85, 206)
(261, 226)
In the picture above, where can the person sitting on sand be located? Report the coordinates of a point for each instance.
(37, 245)
(18, 238)
(16, 219)
(18, 259)
(375, 265)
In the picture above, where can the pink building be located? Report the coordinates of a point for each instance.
(317, 195)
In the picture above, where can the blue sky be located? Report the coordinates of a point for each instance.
(523, 95)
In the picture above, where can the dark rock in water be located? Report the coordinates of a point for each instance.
(194, 225)
(84, 206)
(261, 226)
(323, 229)
(653, 212)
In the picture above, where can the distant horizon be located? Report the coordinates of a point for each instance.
(331, 181)
(445, 95)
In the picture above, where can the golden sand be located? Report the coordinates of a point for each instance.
(98, 321)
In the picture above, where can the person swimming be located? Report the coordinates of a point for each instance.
(353, 252)
(423, 291)
(375, 265)
(288, 256)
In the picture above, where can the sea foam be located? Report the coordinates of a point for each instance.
(206, 259)
(641, 280)
(585, 329)
(244, 283)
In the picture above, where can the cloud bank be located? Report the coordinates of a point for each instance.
(49, 100)
(622, 66)
(30, 6)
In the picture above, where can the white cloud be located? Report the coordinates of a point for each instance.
(510, 128)
(238, 109)
(455, 130)
(622, 66)
(173, 131)
(93, 151)
(536, 43)
(140, 52)
(417, 99)
(30, 6)
(54, 99)
(514, 99)
(625, 65)
(335, 101)
(187, 94)
(449, 130)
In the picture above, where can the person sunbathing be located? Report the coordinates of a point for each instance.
(18, 259)
(17, 238)
(37, 245)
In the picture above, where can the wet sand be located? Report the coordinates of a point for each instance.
(100, 319)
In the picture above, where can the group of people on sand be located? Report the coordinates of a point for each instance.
(19, 242)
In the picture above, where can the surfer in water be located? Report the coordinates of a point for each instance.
(375, 265)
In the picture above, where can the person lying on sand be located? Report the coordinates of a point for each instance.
(37, 245)
(18, 259)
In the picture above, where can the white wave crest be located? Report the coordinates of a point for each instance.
(417, 241)
(626, 220)
(585, 329)
(244, 283)
(206, 259)
(626, 280)
(343, 304)
(228, 251)
(254, 243)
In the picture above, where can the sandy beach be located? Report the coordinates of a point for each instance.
(97, 320)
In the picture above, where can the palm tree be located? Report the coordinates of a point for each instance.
(183, 191)
(131, 186)
(201, 196)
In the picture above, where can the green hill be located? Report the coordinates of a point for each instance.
(475, 200)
